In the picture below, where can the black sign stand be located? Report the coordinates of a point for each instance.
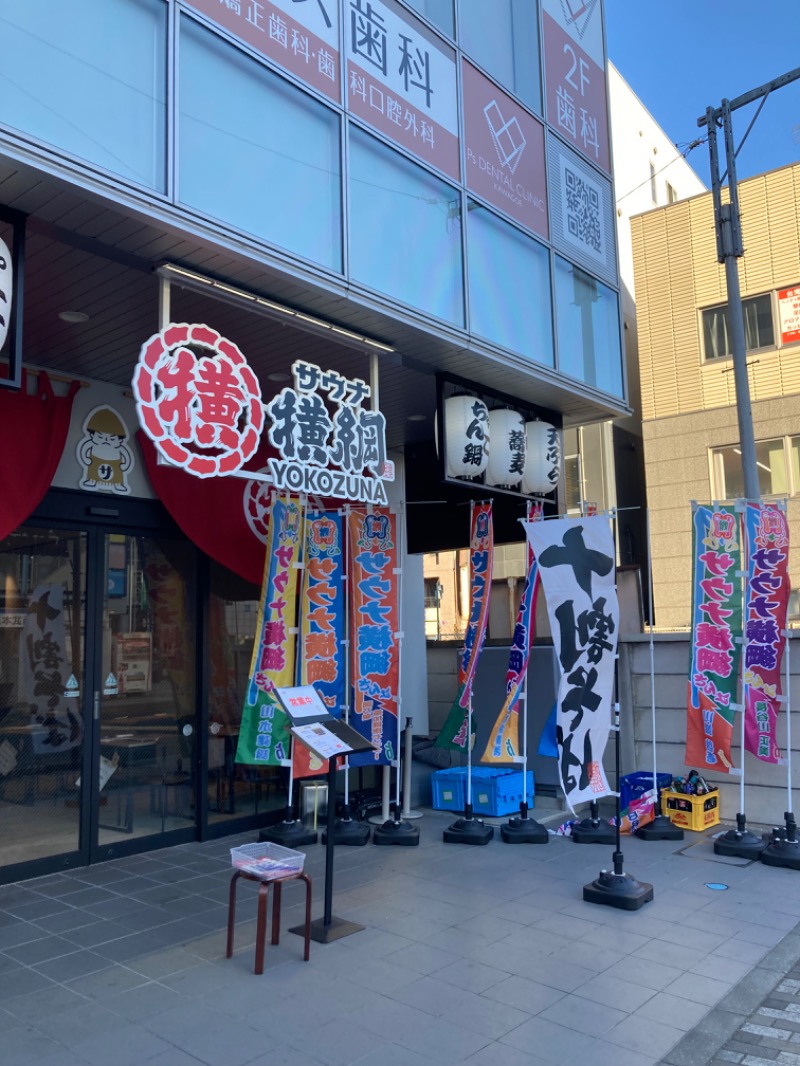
(328, 928)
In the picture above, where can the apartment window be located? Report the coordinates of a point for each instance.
(759, 330)
(777, 461)
(653, 189)
(573, 489)
(672, 193)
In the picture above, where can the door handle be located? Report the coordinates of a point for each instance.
(96, 708)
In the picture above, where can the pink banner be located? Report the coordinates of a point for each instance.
(766, 542)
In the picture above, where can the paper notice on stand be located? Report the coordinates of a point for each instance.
(321, 740)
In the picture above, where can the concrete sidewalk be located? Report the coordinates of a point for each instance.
(484, 955)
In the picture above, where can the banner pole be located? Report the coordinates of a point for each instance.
(660, 828)
(615, 888)
(396, 830)
(740, 841)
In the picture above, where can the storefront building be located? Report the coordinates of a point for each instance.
(390, 191)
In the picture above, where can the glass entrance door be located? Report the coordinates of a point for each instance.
(42, 694)
(146, 700)
(97, 694)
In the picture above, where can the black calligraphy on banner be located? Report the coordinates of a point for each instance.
(44, 670)
(576, 564)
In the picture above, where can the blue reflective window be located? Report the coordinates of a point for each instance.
(505, 41)
(405, 230)
(89, 78)
(439, 12)
(509, 286)
(588, 330)
(257, 153)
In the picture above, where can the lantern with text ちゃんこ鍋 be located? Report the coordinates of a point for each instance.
(466, 445)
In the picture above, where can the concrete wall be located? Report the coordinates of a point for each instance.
(765, 795)
(765, 792)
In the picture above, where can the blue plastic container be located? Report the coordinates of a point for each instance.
(632, 786)
(498, 789)
(495, 789)
(448, 789)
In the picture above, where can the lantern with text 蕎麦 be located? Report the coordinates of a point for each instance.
(507, 450)
(543, 460)
(466, 443)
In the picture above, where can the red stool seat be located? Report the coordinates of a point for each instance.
(261, 922)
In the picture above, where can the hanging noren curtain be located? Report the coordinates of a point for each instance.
(33, 432)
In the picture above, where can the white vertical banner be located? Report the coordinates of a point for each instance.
(576, 567)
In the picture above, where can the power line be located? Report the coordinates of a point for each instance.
(692, 144)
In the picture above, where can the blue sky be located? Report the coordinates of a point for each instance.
(684, 56)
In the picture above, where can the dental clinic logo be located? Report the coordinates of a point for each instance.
(578, 13)
(509, 140)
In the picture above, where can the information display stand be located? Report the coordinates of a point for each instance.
(328, 738)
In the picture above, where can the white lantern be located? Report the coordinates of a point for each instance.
(466, 436)
(543, 461)
(507, 451)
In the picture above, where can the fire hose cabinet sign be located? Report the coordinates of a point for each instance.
(133, 662)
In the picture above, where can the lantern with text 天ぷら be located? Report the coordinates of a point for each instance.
(543, 460)
(466, 445)
(507, 450)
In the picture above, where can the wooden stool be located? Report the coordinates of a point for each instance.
(261, 922)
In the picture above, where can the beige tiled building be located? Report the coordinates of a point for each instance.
(690, 426)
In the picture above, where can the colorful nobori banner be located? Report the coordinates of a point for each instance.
(576, 567)
(716, 621)
(766, 547)
(504, 742)
(457, 731)
(322, 616)
(264, 738)
(374, 629)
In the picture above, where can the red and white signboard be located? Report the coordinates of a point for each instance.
(203, 413)
(575, 81)
(401, 80)
(504, 152)
(302, 36)
(789, 312)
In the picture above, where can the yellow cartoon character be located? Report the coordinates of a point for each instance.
(102, 452)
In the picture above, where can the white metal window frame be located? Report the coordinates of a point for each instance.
(717, 475)
(773, 307)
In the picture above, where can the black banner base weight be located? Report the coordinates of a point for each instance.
(594, 831)
(740, 842)
(326, 934)
(349, 832)
(468, 831)
(394, 831)
(523, 831)
(618, 890)
(661, 828)
(288, 834)
(782, 853)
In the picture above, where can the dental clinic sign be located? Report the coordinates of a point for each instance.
(329, 443)
(200, 404)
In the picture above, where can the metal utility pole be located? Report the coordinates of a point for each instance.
(728, 225)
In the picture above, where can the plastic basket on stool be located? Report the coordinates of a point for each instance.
(267, 861)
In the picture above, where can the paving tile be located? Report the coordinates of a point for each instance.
(594, 1019)
(24, 1044)
(552, 1042)
(699, 989)
(671, 1010)
(529, 996)
(127, 1045)
(48, 1001)
(144, 1001)
(69, 967)
(107, 982)
(20, 982)
(626, 996)
(497, 1054)
(335, 1043)
(471, 976)
(644, 1035)
(71, 1027)
(49, 947)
